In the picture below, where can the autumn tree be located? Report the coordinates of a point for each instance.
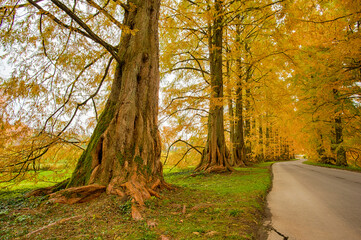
(256, 57)
(326, 76)
(201, 57)
(247, 45)
(123, 154)
(216, 155)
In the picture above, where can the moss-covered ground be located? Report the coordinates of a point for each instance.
(202, 206)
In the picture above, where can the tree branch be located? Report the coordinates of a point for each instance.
(180, 140)
(187, 68)
(111, 49)
(56, 20)
(331, 20)
(86, 100)
(179, 98)
(102, 10)
(180, 110)
(71, 90)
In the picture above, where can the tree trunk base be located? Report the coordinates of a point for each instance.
(132, 189)
(214, 169)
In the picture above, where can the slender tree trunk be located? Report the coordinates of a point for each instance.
(123, 154)
(230, 113)
(239, 152)
(239, 146)
(260, 156)
(268, 144)
(247, 122)
(341, 159)
(215, 155)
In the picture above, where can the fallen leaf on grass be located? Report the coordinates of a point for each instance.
(211, 233)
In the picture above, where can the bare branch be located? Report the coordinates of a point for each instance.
(111, 49)
(180, 98)
(188, 144)
(56, 20)
(180, 110)
(16, 6)
(90, 97)
(71, 90)
(102, 10)
(126, 7)
(330, 20)
(187, 68)
(95, 109)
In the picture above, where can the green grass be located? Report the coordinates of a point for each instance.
(37, 179)
(350, 168)
(201, 206)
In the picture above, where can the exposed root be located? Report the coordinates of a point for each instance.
(77, 194)
(40, 192)
(153, 193)
(156, 184)
(135, 188)
(215, 169)
(136, 215)
(219, 169)
(48, 190)
(137, 191)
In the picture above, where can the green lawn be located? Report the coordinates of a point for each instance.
(202, 206)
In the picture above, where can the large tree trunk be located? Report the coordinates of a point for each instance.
(124, 151)
(215, 155)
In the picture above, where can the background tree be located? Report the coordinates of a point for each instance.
(216, 155)
(325, 81)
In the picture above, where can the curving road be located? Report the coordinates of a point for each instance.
(314, 203)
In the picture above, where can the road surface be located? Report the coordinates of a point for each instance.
(314, 203)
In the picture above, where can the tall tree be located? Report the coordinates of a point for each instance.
(124, 151)
(326, 76)
(123, 154)
(238, 150)
(216, 155)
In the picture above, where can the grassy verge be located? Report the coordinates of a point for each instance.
(350, 168)
(204, 206)
(39, 179)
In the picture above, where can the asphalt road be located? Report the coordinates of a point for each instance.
(308, 202)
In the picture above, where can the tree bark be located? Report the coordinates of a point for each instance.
(215, 155)
(261, 147)
(341, 159)
(239, 146)
(247, 121)
(124, 151)
(239, 150)
(231, 114)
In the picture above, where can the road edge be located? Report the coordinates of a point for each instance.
(266, 226)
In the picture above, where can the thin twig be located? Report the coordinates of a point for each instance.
(52, 224)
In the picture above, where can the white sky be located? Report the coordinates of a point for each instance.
(5, 68)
